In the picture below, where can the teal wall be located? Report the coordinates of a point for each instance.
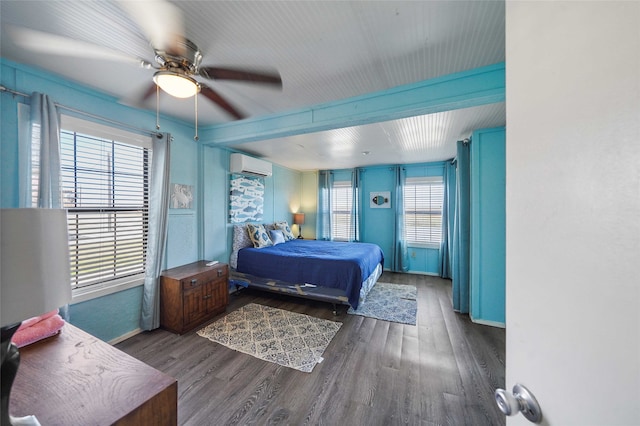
(488, 238)
(285, 195)
(378, 225)
(109, 317)
(309, 203)
(214, 165)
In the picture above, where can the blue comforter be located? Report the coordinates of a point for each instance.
(322, 263)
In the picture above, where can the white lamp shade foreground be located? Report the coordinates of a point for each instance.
(34, 271)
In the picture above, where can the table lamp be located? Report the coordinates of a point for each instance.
(298, 219)
(34, 279)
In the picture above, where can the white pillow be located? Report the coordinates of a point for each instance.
(277, 237)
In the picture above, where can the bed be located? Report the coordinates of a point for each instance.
(334, 272)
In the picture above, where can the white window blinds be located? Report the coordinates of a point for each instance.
(342, 207)
(423, 198)
(105, 184)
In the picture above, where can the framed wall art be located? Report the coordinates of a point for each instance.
(246, 199)
(181, 196)
(380, 200)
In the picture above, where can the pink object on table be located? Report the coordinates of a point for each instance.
(38, 328)
(31, 321)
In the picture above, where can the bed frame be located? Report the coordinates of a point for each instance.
(334, 296)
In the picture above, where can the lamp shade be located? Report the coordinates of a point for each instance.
(298, 218)
(34, 268)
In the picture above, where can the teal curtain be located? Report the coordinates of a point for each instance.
(400, 262)
(323, 221)
(448, 214)
(461, 233)
(157, 238)
(42, 135)
(355, 205)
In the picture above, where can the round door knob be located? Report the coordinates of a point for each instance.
(520, 400)
(507, 403)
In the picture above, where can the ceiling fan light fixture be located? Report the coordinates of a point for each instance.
(176, 84)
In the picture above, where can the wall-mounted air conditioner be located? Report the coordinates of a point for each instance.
(246, 165)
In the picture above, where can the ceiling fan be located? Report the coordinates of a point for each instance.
(177, 59)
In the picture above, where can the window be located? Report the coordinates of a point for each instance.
(105, 187)
(423, 198)
(342, 225)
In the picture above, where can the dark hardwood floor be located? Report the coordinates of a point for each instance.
(441, 372)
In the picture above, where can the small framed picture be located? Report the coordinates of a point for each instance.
(380, 200)
(181, 196)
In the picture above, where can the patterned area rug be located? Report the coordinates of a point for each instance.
(390, 302)
(286, 338)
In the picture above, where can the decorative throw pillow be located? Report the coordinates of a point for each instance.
(241, 240)
(241, 237)
(259, 236)
(276, 236)
(286, 231)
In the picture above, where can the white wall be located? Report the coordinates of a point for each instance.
(573, 209)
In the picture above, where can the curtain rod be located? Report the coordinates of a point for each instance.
(84, 113)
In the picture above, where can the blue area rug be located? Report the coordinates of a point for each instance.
(390, 302)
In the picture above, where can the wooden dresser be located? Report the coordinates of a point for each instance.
(192, 294)
(76, 379)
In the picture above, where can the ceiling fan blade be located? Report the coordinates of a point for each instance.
(217, 73)
(151, 90)
(52, 44)
(215, 97)
(161, 22)
(139, 98)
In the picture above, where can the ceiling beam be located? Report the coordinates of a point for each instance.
(479, 86)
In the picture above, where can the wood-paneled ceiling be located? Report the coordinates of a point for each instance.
(324, 51)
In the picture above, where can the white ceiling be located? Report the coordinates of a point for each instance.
(324, 51)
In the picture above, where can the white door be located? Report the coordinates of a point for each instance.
(573, 209)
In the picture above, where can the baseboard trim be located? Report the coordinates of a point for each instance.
(489, 323)
(125, 336)
(431, 274)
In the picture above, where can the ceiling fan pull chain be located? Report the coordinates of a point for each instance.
(157, 107)
(196, 138)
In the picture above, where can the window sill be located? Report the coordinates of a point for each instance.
(100, 290)
(424, 246)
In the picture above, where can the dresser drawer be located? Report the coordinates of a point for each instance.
(219, 271)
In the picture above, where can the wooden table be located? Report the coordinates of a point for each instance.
(76, 379)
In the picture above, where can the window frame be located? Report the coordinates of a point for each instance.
(428, 240)
(344, 209)
(119, 136)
